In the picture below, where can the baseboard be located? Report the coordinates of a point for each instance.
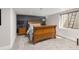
(66, 37)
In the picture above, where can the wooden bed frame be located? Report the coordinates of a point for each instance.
(43, 32)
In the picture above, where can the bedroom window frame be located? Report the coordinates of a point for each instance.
(61, 22)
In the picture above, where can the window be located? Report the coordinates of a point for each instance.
(70, 20)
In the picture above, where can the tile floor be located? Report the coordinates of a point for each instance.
(22, 43)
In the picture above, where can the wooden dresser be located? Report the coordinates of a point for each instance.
(22, 31)
(43, 32)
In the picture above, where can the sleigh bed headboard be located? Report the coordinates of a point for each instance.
(43, 32)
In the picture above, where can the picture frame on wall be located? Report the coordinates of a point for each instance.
(0, 16)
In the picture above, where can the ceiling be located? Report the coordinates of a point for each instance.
(39, 11)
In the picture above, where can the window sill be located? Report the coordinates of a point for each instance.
(68, 28)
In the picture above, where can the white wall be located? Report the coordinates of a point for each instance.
(53, 20)
(8, 28)
(13, 27)
(64, 32)
(5, 27)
